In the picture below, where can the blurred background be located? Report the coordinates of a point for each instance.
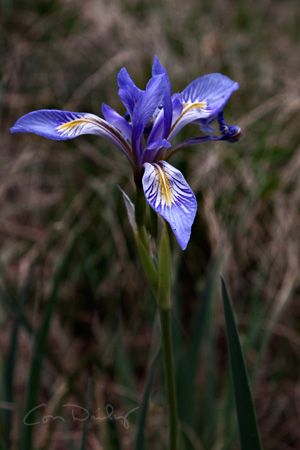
(65, 238)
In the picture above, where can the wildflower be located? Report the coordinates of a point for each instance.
(146, 134)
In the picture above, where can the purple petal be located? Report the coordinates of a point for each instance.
(145, 108)
(151, 153)
(204, 98)
(163, 120)
(111, 116)
(157, 131)
(177, 105)
(64, 125)
(128, 91)
(206, 126)
(157, 145)
(229, 133)
(196, 141)
(215, 89)
(158, 69)
(168, 193)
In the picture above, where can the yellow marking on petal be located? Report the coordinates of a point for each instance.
(186, 108)
(110, 131)
(72, 124)
(197, 105)
(164, 186)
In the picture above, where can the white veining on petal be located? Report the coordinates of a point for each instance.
(168, 193)
(91, 124)
(191, 111)
(167, 188)
(74, 127)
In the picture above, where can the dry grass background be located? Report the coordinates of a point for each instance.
(65, 54)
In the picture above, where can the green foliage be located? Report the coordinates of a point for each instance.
(40, 343)
(141, 426)
(249, 434)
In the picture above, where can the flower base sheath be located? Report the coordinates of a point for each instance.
(145, 134)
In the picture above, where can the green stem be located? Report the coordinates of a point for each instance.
(165, 320)
(160, 282)
(140, 215)
(165, 305)
(140, 206)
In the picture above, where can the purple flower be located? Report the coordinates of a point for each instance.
(153, 118)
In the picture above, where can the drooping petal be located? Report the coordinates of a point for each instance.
(204, 98)
(168, 193)
(128, 91)
(64, 125)
(214, 88)
(147, 104)
(111, 116)
(190, 113)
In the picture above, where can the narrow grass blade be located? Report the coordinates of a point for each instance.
(188, 365)
(141, 426)
(227, 418)
(113, 438)
(12, 354)
(3, 446)
(11, 308)
(249, 434)
(40, 344)
(124, 371)
(84, 436)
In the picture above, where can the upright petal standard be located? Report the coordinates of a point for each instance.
(144, 134)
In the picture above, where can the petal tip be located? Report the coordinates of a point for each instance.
(14, 129)
(183, 244)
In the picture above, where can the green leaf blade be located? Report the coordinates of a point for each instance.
(141, 426)
(40, 344)
(248, 429)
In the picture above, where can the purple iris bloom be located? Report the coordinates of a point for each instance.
(145, 134)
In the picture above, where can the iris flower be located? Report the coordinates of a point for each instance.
(145, 134)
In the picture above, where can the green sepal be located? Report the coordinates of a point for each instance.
(129, 209)
(141, 238)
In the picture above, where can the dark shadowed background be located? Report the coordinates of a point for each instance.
(66, 54)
